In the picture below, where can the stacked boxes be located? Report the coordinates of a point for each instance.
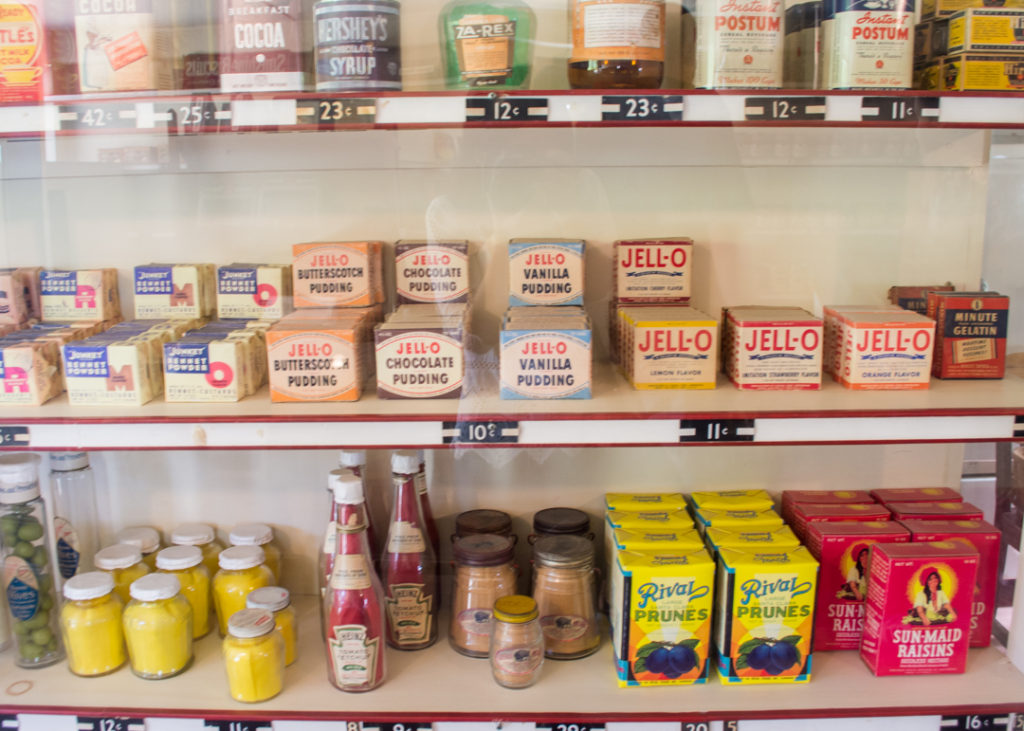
(772, 348)
(69, 295)
(667, 347)
(964, 46)
(915, 298)
(174, 291)
(822, 497)
(254, 291)
(935, 511)
(421, 352)
(878, 348)
(656, 271)
(803, 515)
(431, 272)
(971, 327)
(221, 362)
(546, 272)
(342, 274)
(546, 353)
(19, 296)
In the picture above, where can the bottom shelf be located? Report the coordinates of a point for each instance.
(440, 684)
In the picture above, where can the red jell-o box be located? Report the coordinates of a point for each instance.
(985, 538)
(935, 511)
(823, 497)
(842, 549)
(916, 495)
(802, 515)
(918, 616)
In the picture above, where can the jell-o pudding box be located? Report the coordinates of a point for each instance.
(834, 315)
(764, 611)
(337, 274)
(669, 347)
(738, 520)
(170, 291)
(984, 537)
(935, 511)
(69, 295)
(970, 339)
(885, 350)
(803, 514)
(429, 272)
(772, 348)
(422, 355)
(545, 356)
(660, 611)
(918, 616)
(823, 497)
(546, 272)
(843, 550)
(254, 291)
(916, 495)
(644, 500)
(653, 270)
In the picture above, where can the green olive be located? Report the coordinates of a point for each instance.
(45, 582)
(30, 532)
(9, 524)
(51, 646)
(21, 630)
(39, 556)
(46, 602)
(24, 550)
(40, 620)
(30, 650)
(42, 636)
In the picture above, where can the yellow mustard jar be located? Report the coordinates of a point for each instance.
(202, 535)
(278, 601)
(147, 540)
(124, 564)
(242, 572)
(158, 627)
(90, 624)
(262, 535)
(186, 563)
(253, 656)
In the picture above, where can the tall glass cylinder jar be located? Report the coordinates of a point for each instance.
(563, 585)
(484, 573)
(75, 527)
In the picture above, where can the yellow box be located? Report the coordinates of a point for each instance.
(732, 500)
(737, 519)
(764, 615)
(644, 500)
(928, 77)
(668, 347)
(986, 30)
(749, 539)
(939, 8)
(661, 612)
(657, 540)
(982, 72)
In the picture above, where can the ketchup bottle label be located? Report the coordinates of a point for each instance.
(405, 538)
(353, 655)
(350, 572)
(409, 613)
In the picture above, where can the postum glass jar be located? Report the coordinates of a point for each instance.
(563, 585)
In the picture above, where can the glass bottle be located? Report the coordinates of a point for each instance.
(408, 566)
(563, 585)
(355, 600)
(355, 460)
(330, 545)
(262, 535)
(242, 572)
(75, 527)
(484, 572)
(146, 539)
(158, 627)
(90, 624)
(424, 498)
(358, 45)
(27, 568)
(253, 656)
(517, 646)
(203, 536)
(278, 601)
(617, 44)
(186, 563)
(487, 44)
(124, 564)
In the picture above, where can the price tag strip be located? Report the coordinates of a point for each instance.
(1018, 426)
(240, 725)
(14, 436)
(332, 113)
(480, 432)
(8, 722)
(977, 722)
(641, 108)
(98, 116)
(716, 431)
(191, 116)
(912, 110)
(100, 723)
(784, 109)
(507, 110)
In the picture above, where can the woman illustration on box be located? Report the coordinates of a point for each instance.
(931, 604)
(856, 586)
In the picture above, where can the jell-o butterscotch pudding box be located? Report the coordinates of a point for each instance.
(772, 348)
(338, 274)
(653, 270)
(546, 272)
(918, 617)
(430, 272)
(174, 291)
(76, 295)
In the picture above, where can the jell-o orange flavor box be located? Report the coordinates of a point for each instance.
(843, 549)
(985, 538)
(935, 511)
(918, 618)
(916, 495)
(765, 615)
(823, 497)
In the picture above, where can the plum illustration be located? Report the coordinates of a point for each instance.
(760, 657)
(657, 661)
(681, 659)
(783, 656)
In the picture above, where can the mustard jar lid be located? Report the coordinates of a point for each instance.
(515, 609)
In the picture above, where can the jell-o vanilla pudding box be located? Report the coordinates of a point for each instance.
(653, 270)
(772, 348)
(916, 495)
(843, 550)
(764, 615)
(546, 272)
(174, 291)
(985, 538)
(918, 616)
(254, 291)
(669, 347)
(77, 295)
(971, 332)
(545, 356)
(337, 274)
(429, 272)
(823, 497)
(803, 514)
(885, 351)
(935, 511)
(834, 315)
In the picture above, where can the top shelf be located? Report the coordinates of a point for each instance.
(214, 113)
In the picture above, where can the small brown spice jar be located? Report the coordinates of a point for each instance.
(484, 572)
(563, 585)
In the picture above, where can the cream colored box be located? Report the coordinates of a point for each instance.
(29, 372)
(203, 371)
(670, 347)
(254, 291)
(338, 274)
(772, 348)
(74, 295)
(173, 291)
(111, 374)
(317, 359)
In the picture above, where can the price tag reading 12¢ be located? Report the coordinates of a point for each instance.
(642, 108)
(507, 110)
(784, 109)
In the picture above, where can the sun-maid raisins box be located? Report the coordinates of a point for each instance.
(76, 295)
(737, 519)
(167, 291)
(644, 500)
(338, 274)
(260, 291)
(653, 270)
(668, 347)
(428, 272)
(916, 495)
(842, 549)
(546, 271)
(823, 497)
(660, 612)
(935, 511)
(803, 514)
(764, 607)
(772, 348)
(918, 618)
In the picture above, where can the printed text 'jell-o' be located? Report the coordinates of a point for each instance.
(971, 330)
(935, 511)
(428, 272)
(916, 495)
(254, 291)
(834, 316)
(765, 615)
(545, 272)
(261, 46)
(885, 351)
(164, 291)
(345, 274)
(546, 358)
(669, 347)
(76, 295)
(653, 270)
(985, 538)
(421, 357)
(772, 348)
(843, 549)
(918, 617)
(661, 606)
(823, 497)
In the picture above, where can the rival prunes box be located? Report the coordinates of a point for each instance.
(772, 348)
(653, 270)
(174, 291)
(545, 356)
(430, 272)
(739, 519)
(546, 272)
(971, 330)
(422, 354)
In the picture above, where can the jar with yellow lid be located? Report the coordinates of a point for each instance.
(158, 627)
(90, 624)
(186, 563)
(484, 572)
(517, 645)
(147, 540)
(563, 585)
(253, 656)
(203, 536)
(262, 535)
(278, 601)
(124, 564)
(242, 572)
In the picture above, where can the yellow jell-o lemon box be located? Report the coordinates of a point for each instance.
(661, 612)
(764, 615)
(737, 519)
(752, 539)
(732, 500)
(657, 540)
(644, 501)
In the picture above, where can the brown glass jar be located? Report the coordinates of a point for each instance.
(617, 44)
(483, 522)
(563, 585)
(484, 572)
(561, 522)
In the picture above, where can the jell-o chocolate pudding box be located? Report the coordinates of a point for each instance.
(916, 495)
(803, 514)
(843, 549)
(668, 347)
(984, 537)
(764, 615)
(970, 340)
(545, 356)
(772, 348)
(546, 272)
(69, 295)
(918, 617)
(429, 272)
(653, 270)
(254, 291)
(885, 350)
(170, 291)
(420, 355)
(935, 511)
(338, 274)
(823, 497)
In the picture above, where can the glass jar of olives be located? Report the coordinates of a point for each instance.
(27, 568)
